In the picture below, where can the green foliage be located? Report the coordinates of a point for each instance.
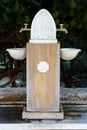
(72, 13)
(13, 13)
(67, 65)
(72, 4)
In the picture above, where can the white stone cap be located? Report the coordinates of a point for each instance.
(43, 28)
(43, 41)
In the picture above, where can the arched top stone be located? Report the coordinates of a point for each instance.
(43, 28)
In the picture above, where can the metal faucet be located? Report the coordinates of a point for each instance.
(25, 28)
(62, 29)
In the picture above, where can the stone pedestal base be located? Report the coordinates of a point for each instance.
(43, 115)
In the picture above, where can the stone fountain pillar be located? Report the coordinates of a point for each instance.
(43, 70)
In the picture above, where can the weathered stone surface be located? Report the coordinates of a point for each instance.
(68, 95)
(12, 94)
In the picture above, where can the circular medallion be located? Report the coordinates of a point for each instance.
(42, 66)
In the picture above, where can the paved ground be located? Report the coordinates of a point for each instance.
(12, 114)
(73, 114)
(75, 117)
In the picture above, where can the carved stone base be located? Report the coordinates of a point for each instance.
(43, 115)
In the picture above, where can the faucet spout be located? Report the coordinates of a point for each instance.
(62, 29)
(25, 28)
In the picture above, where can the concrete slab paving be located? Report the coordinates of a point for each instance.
(72, 114)
(75, 117)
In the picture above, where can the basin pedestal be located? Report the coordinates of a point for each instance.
(43, 86)
(43, 70)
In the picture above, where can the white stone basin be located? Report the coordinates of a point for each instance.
(69, 53)
(17, 53)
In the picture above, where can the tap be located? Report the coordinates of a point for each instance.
(62, 29)
(25, 28)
